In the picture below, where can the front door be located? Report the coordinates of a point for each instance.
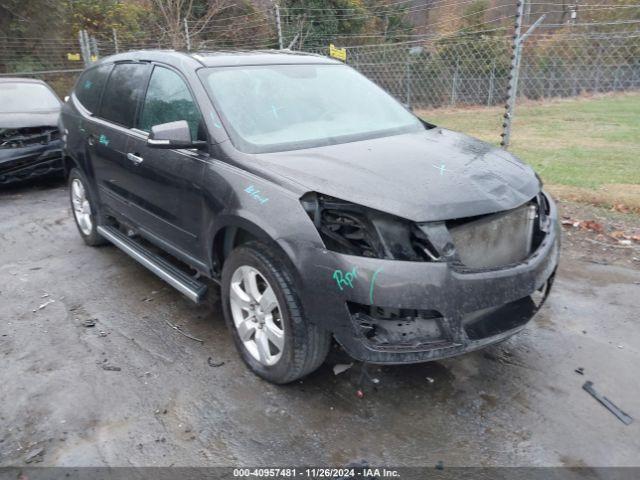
(168, 183)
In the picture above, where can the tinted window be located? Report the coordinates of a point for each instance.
(168, 100)
(122, 93)
(90, 85)
(26, 97)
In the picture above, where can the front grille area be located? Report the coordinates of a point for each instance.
(496, 240)
(398, 327)
(24, 137)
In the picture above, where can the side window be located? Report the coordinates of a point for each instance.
(123, 92)
(168, 100)
(90, 85)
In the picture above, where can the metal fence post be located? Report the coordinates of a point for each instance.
(407, 79)
(81, 45)
(599, 66)
(454, 83)
(83, 38)
(115, 40)
(492, 80)
(278, 25)
(514, 73)
(93, 49)
(186, 35)
(513, 78)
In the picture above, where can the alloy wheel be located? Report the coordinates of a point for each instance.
(81, 207)
(257, 315)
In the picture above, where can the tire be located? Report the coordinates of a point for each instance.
(87, 224)
(305, 345)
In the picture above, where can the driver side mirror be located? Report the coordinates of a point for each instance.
(173, 135)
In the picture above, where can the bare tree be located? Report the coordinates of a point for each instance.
(174, 13)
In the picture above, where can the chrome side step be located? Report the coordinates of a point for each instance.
(175, 277)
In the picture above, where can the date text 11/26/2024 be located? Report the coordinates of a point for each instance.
(333, 473)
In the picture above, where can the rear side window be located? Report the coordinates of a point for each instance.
(90, 85)
(123, 92)
(168, 100)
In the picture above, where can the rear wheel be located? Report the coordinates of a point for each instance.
(84, 209)
(265, 316)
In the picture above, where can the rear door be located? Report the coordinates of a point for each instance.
(168, 183)
(109, 135)
(77, 116)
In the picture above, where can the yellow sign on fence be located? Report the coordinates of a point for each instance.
(339, 53)
(74, 57)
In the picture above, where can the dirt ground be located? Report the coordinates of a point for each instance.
(132, 391)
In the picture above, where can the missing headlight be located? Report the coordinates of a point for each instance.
(356, 230)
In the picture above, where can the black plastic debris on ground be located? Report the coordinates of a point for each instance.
(211, 363)
(622, 416)
(89, 322)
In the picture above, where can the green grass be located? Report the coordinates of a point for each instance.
(584, 142)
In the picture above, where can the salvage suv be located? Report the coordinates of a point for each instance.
(321, 206)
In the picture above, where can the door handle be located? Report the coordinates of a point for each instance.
(137, 160)
(91, 140)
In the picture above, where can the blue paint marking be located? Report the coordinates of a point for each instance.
(275, 110)
(255, 193)
(442, 168)
(103, 140)
(373, 283)
(216, 122)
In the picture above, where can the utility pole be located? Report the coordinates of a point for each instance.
(278, 25)
(186, 35)
(514, 72)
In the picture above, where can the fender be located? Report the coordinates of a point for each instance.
(240, 220)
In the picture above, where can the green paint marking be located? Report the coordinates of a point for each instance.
(345, 278)
(373, 283)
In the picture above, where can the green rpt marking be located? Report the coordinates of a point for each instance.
(373, 283)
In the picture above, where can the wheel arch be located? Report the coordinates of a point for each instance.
(69, 163)
(235, 230)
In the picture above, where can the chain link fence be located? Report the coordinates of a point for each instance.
(449, 71)
(475, 71)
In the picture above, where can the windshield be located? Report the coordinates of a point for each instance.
(26, 97)
(287, 107)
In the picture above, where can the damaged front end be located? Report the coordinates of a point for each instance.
(423, 291)
(29, 152)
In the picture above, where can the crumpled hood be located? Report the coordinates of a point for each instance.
(24, 120)
(433, 175)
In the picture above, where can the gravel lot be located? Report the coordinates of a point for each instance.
(131, 390)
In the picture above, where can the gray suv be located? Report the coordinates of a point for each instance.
(320, 205)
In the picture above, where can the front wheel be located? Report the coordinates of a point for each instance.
(84, 209)
(265, 316)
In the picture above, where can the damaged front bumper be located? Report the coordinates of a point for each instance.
(22, 163)
(393, 312)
